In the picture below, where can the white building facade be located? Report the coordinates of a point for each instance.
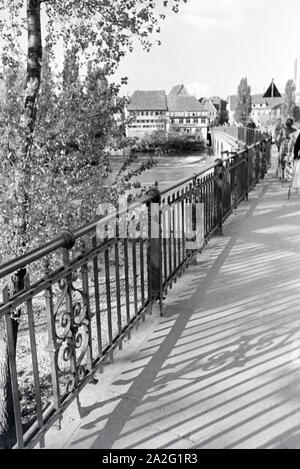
(152, 110)
(146, 112)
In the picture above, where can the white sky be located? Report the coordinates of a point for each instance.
(211, 44)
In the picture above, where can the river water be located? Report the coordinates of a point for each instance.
(168, 169)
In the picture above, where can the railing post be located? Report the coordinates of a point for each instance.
(154, 248)
(219, 180)
(246, 174)
(53, 345)
(263, 164)
(10, 412)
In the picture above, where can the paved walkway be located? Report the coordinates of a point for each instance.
(221, 369)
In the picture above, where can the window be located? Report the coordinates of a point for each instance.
(189, 120)
(195, 120)
(203, 120)
(180, 121)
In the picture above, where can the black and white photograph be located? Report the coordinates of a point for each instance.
(149, 228)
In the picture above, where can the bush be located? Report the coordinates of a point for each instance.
(161, 142)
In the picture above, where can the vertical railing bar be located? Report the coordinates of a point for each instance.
(169, 236)
(118, 292)
(126, 273)
(206, 206)
(69, 302)
(34, 358)
(174, 219)
(108, 298)
(148, 257)
(178, 229)
(210, 204)
(142, 272)
(85, 285)
(13, 373)
(164, 243)
(183, 224)
(134, 271)
(52, 347)
(97, 303)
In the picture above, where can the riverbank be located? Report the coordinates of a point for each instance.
(125, 153)
(164, 144)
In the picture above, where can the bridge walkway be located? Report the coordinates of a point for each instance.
(221, 369)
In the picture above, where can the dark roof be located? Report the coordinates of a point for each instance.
(148, 100)
(209, 104)
(277, 106)
(184, 103)
(179, 90)
(272, 91)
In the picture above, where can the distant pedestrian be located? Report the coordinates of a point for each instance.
(284, 141)
(296, 149)
(251, 125)
(294, 161)
(277, 130)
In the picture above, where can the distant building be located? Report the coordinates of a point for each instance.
(187, 115)
(211, 108)
(266, 107)
(216, 108)
(154, 110)
(147, 111)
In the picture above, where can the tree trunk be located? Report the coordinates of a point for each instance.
(28, 119)
(7, 417)
(23, 176)
(7, 421)
(34, 63)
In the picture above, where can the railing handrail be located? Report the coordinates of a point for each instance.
(66, 239)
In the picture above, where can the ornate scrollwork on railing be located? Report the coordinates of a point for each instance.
(71, 332)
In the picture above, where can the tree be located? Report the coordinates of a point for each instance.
(289, 105)
(47, 153)
(244, 105)
(101, 31)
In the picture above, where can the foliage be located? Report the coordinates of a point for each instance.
(160, 142)
(57, 129)
(289, 105)
(244, 104)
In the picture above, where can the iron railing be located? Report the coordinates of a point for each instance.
(244, 134)
(75, 299)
